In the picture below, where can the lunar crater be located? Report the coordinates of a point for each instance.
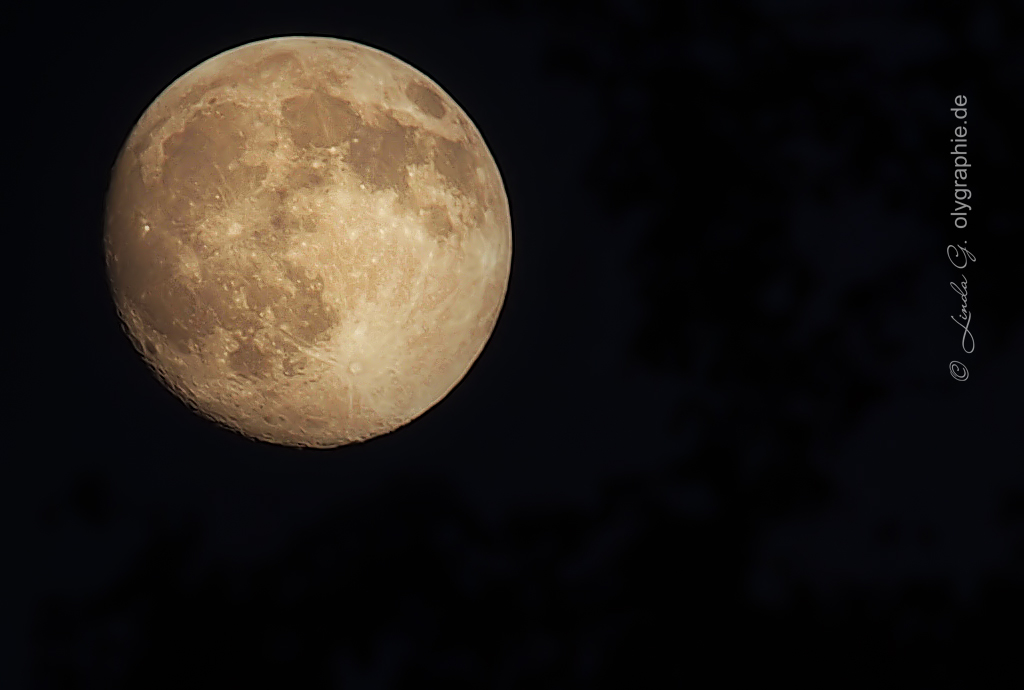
(307, 240)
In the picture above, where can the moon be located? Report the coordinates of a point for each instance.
(307, 240)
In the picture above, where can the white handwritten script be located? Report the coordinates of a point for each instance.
(956, 369)
(965, 316)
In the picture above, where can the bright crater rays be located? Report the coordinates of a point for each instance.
(308, 240)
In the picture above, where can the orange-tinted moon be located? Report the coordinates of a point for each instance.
(308, 240)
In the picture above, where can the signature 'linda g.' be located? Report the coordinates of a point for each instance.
(965, 316)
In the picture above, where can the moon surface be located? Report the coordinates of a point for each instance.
(308, 240)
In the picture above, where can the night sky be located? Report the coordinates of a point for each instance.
(715, 430)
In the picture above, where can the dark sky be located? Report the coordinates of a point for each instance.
(714, 431)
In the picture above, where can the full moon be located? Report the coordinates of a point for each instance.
(307, 240)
